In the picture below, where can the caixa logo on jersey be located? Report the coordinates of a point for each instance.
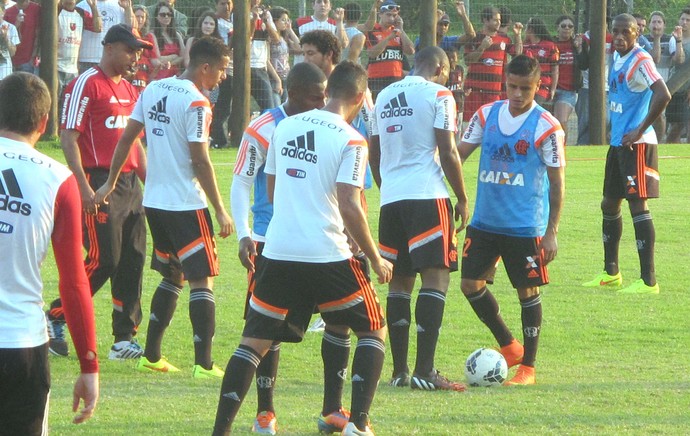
(296, 173)
(116, 122)
(301, 148)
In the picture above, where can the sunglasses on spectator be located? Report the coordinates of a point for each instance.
(390, 8)
(567, 26)
(165, 14)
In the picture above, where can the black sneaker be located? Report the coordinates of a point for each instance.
(401, 380)
(57, 344)
(435, 382)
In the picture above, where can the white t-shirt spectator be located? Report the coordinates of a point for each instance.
(91, 48)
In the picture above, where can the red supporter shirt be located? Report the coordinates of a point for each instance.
(566, 65)
(28, 31)
(486, 74)
(390, 62)
(546, 52)
(98, 108)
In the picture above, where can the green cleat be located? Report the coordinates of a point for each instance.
(201, 372)
(161, 366)
(604, 280)
(640, 287)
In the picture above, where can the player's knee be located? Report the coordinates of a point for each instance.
(524, 293)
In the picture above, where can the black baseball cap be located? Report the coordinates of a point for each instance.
(123, 33)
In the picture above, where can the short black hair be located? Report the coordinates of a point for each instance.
(303, 75)
(523, 66)
(207, 50)
(347, 80)
(353, 12)
(32, 92)
(431, 56)
(324, 41)
(506, 15)
(488, 13)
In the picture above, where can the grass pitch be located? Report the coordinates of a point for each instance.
(607, 363)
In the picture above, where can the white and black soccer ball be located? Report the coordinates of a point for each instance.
(486, 367)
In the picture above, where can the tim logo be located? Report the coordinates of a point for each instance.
(394, 128)
(158, 113)
(296, 173)
(503, 154)
(9, 189)
(301, 148)
(6, 228)
(397, 107)
(157, 131)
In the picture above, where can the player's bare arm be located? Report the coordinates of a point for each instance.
(350, 206)
(122, 150)
(203, 170)
(465, 149)
(452, 168)
(140, 170)
(660, 98)
(375, 159)
(68, 142)
(549, 243)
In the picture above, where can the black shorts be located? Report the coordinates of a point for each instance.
(25, 383)
(418, 234)
(678, 110)
(523, 261)
(286, 292)
(251, 276)
(183, 240)
(632, 173)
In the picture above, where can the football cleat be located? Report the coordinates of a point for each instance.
(265, 423)
(640, 287)
(334, 422)
(125, 350)
(215, 372)
(161, 366)
(435, 381)
(401, 380)
(524, 376)
(513, 353)
(352, 430)
(57, 344)
(604, 280)
(317, 326)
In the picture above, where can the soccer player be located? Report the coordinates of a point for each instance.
(519, 196)
(637, 96)
(306, 85)
(97, 105)
(315, 169)
(176, 116)
(42, 206)
(412, 147)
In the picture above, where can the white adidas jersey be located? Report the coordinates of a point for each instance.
(407, 112)
(309, 154)
(29, 184)
(174, 113)
(111, 13)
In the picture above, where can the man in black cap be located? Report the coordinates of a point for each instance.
(97, 106)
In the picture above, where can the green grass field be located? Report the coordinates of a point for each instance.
(607, 363)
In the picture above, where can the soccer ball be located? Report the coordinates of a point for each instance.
(486, 367)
